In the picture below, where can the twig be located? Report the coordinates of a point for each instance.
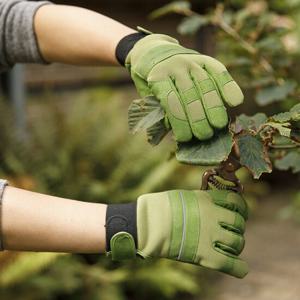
(218, 20)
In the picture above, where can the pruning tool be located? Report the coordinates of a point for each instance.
(223, 177)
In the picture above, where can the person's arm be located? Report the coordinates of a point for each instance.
(76, 35)
(37, 222)
(39, 32)
(200, 227)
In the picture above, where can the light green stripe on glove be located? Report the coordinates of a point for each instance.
(191, 87)
(203, 228)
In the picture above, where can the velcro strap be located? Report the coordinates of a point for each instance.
(122, 246)
(121, 218)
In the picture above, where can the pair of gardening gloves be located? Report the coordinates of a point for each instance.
(200, 227)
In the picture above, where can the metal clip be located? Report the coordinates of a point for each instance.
(226, 171)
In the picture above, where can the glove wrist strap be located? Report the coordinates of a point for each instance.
(121, 231)
(126, 44)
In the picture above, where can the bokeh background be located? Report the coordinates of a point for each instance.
(64, 132)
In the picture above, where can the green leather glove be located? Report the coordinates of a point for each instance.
(191, 87)
(198, 227)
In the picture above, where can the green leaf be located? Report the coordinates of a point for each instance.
(292, 115)
(206, 153)
(156, 133)
(147, 114)
(190, 25)
(144, 113)
(275, 93)
(179, 7)
(296, 108)
(290, 161)
(282, 117)
(253, 155)
(282, 128)
(244, 122)
(282, 141)
(295, 111)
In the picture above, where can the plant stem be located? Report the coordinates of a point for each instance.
(218, 20)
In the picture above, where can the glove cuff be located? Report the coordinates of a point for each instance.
(121, 231)
(126, 44)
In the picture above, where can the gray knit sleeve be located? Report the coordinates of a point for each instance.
(18, 42)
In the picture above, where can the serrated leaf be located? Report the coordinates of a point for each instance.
(282, 128)
(282, 117)
(244, 122)
(179, 7)
(292, 115)
(206, 153)
(290, 161)
(156, 133)
(144, 113)
(295, 111)
(282, 141)
(253, 155)
(296, 108)
(190, 25)
(275, 93)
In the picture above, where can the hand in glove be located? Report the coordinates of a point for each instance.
(200, 227)
(192, 88)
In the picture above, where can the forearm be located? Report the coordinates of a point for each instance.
(37, 222)
(77, 36)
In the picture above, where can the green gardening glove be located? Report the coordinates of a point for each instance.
(198, 227)
(191, 87)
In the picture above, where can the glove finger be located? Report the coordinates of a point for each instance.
(173, 107)
(211, 99)
(230, 200)
(235, 267)
(232, 221)
(229, 89)
(229, 264)
(191, 98)
(234, 243)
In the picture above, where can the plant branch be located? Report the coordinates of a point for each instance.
(218, 20)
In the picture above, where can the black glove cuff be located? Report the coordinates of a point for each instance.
(126, 44)
(120, 217)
